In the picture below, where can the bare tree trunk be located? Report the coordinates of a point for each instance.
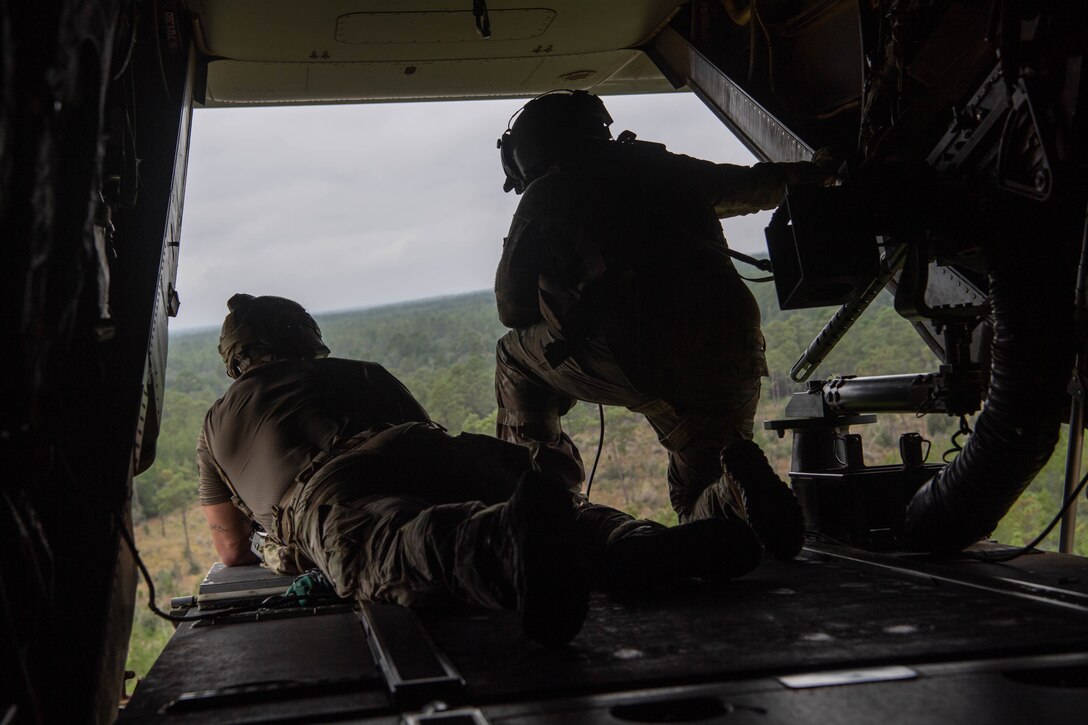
(621, 484)
(185, 529)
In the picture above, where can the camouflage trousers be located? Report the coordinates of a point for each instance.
(533, 396)
(410, 516)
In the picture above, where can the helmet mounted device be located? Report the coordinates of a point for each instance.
(543, 128)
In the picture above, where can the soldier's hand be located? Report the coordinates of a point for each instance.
(824, 158)
(822, 169)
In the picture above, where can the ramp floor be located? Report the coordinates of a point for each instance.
(944, 641)
(811, 614)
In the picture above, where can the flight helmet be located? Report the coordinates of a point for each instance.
(267, 325)
(545, 129)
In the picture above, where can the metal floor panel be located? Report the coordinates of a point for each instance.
(810, 614)
(257, 671)
(970, 653)
(1050, 580)
(963, 696)
(221, 579)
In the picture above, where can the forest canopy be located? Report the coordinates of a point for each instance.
(443, 350)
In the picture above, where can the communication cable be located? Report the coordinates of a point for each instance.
(600, 446)
(1020, 551)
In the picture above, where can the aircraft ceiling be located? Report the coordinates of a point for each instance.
(272, 52)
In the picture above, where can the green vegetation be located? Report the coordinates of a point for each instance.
(443, 350)
(161, 541)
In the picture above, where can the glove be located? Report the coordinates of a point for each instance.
(311, 584)
(822, 169)
(824, 158)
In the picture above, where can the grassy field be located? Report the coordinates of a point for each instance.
(161, 541)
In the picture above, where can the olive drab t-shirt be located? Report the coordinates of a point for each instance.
(276, 418)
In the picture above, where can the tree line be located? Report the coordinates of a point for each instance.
(443, 350)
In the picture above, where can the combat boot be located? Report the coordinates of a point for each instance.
(649, 557)
(769, 505)
(520, 555)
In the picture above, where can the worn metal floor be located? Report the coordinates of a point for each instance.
(814, 613)
(836, 636)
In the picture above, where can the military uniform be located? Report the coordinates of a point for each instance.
(279, 421)
(335, 457)
(616, 282)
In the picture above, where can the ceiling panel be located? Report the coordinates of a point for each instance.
(328, 51)
(234, 82)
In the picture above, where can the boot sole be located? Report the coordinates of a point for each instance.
(711, 549)
(787, 519)
(769, 504)
(739, 550)
(553, 595)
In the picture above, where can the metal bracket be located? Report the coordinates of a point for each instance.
(416, 671)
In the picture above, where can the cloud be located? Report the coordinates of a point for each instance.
(356, 206)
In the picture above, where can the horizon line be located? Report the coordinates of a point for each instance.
(343, 310)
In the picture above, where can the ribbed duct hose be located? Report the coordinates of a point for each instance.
(1016, 432)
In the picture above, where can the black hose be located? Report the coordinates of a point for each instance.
(1016, 433)
(597, 458)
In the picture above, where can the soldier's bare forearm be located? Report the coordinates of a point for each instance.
(230, 533)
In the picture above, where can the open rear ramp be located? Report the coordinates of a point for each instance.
(839, 635)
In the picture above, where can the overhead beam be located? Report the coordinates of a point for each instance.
(763, 134)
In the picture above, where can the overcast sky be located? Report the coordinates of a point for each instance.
(343, 207)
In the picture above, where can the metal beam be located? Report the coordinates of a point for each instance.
(763, 134)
